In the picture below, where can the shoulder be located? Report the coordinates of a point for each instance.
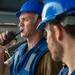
(46, 57)
(47, 66)
(44, 67)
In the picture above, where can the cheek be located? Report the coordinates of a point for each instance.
(49, 41)
(49, 37)
(27, 28)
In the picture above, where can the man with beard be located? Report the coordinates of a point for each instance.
(58, 20)
(33, 57)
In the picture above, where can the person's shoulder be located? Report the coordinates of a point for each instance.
(46, 57)
(44, 65)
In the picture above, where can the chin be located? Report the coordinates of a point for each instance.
(22, 35)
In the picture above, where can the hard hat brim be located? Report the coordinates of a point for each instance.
(43, 23)
(18, 14)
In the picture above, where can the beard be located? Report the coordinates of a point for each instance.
(57, 52)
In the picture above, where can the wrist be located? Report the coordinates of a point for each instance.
(2, 51)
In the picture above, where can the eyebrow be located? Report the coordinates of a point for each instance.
(23, 18)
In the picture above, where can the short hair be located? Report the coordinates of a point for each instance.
(69, 22)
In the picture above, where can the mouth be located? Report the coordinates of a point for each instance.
(21, 29)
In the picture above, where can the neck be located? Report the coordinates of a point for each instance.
(71, 62)
(33, 40)
(69, 54)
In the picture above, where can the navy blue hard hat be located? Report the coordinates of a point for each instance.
(35, 6)
(53, 8)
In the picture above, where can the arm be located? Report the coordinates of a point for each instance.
(4, 66)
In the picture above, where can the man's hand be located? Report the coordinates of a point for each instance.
(2, 38)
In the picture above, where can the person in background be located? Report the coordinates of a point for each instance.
(32, 57)
(58, 20)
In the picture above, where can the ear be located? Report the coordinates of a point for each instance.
(39, 20)
(58, 32)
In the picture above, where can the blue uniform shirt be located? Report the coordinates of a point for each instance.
(65, 72)
(25, 63)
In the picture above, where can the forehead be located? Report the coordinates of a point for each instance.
(27, 15)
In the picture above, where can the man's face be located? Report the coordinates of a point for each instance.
(27, 24)
(54, 47)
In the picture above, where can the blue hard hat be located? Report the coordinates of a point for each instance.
(54, 8)
(35, 6)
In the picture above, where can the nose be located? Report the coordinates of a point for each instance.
(21, 24)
